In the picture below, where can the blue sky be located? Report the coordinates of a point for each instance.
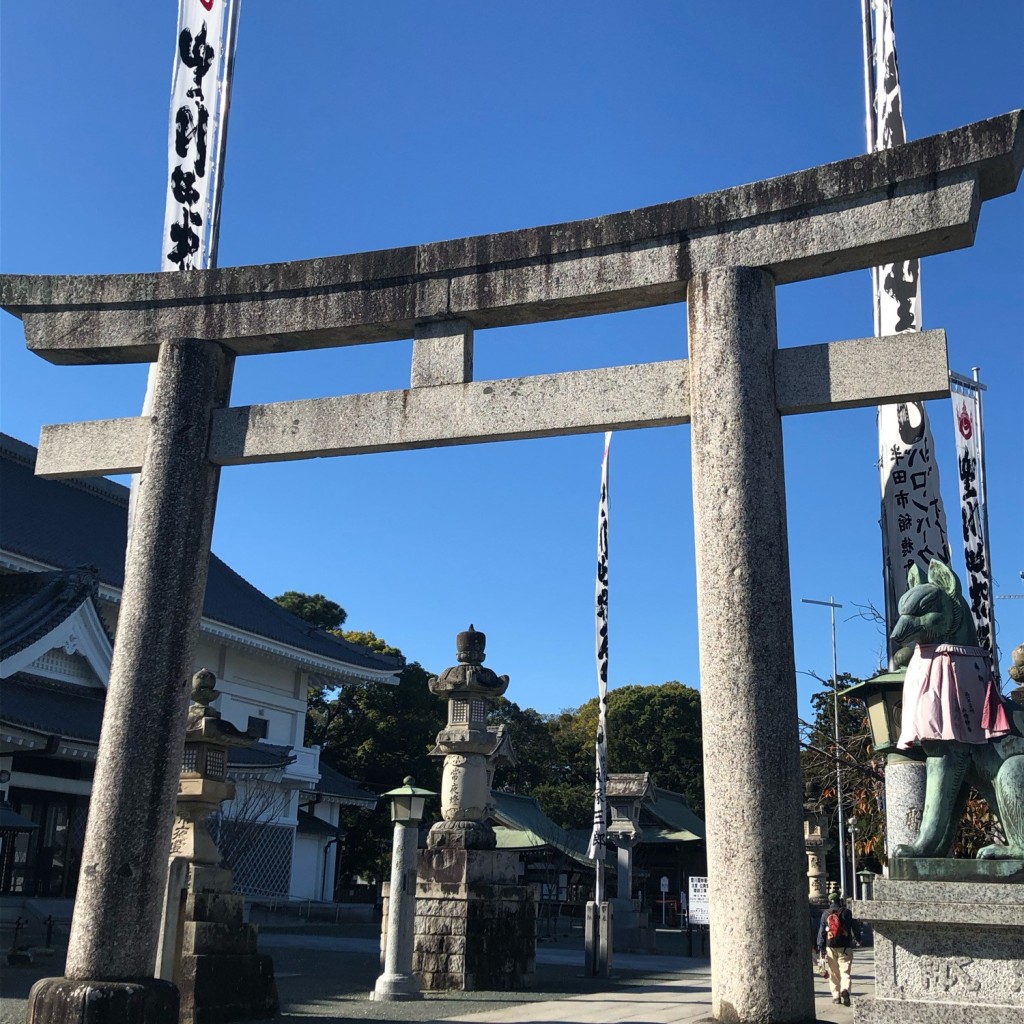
(360, 126)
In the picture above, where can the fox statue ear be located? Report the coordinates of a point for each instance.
(914, 576)
(941, 576)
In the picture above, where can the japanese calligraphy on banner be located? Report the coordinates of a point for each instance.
(200, 97)
(913, 521)
(597, 837)
(199, 100)
(967, 417)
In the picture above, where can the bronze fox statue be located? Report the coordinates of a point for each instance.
(934, 612)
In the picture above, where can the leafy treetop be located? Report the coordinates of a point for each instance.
(314, 608)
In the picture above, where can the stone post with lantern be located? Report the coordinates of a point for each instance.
(816, 845)
(627, 793)
(397, 981)
(475, 924)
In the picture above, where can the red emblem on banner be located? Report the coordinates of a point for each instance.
(208, 4)
(965, 423)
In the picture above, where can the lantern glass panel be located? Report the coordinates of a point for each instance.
(878, 720)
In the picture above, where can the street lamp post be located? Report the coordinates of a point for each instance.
(398, 981)
(853, 855)
(831, 603)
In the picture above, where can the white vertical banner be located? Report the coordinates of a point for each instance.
(913, 520)
(197, 142)
(200, 90)
(598, 836)
(967, 418)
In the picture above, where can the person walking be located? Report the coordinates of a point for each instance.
(837, 934)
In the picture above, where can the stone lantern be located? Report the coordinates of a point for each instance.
(476, 926)
(466, 745)
(627, 792)
(206, 947)
(816, 844)
(203, 784)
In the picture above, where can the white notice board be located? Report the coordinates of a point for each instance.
(699, 913)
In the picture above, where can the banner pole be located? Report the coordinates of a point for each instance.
(234, 7)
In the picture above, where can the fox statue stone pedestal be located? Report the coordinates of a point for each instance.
(949, 934)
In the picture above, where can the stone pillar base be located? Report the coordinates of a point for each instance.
(475, 927)
(392, 988)
(220, 974)
(81, 1001)
(946, 951)
(632, 932)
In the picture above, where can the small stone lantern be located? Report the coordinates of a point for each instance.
(203, 784)
(466, 745)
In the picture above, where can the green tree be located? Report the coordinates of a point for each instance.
(534, 746)
(654, 729)
(851, 765)
(314, 608)
(377, 734)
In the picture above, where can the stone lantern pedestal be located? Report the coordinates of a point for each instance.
(475, 925)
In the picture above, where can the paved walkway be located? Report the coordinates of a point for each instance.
(329, 976)
(643, 989)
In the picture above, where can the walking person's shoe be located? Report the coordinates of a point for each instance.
(837, 1000)
(845, 996)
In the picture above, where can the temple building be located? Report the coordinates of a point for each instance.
(62, 550)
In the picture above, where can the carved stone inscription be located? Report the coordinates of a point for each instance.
(993, 975)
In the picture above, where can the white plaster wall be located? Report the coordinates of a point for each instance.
(307, 867)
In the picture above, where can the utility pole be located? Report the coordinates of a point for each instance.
(831, 603)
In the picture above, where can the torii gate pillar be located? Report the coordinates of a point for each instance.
(759, 946)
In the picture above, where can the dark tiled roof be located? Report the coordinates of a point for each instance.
(669, 818)
(333, 783)
(523, 814)
(311, 825)
(260, 755)
(33, 604)
(68, 523)
(52, 708)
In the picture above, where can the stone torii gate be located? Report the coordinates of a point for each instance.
(724, 253)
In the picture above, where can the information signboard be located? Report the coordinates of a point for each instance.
(699, 910)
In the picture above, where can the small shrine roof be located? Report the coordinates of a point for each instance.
(337, 788)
